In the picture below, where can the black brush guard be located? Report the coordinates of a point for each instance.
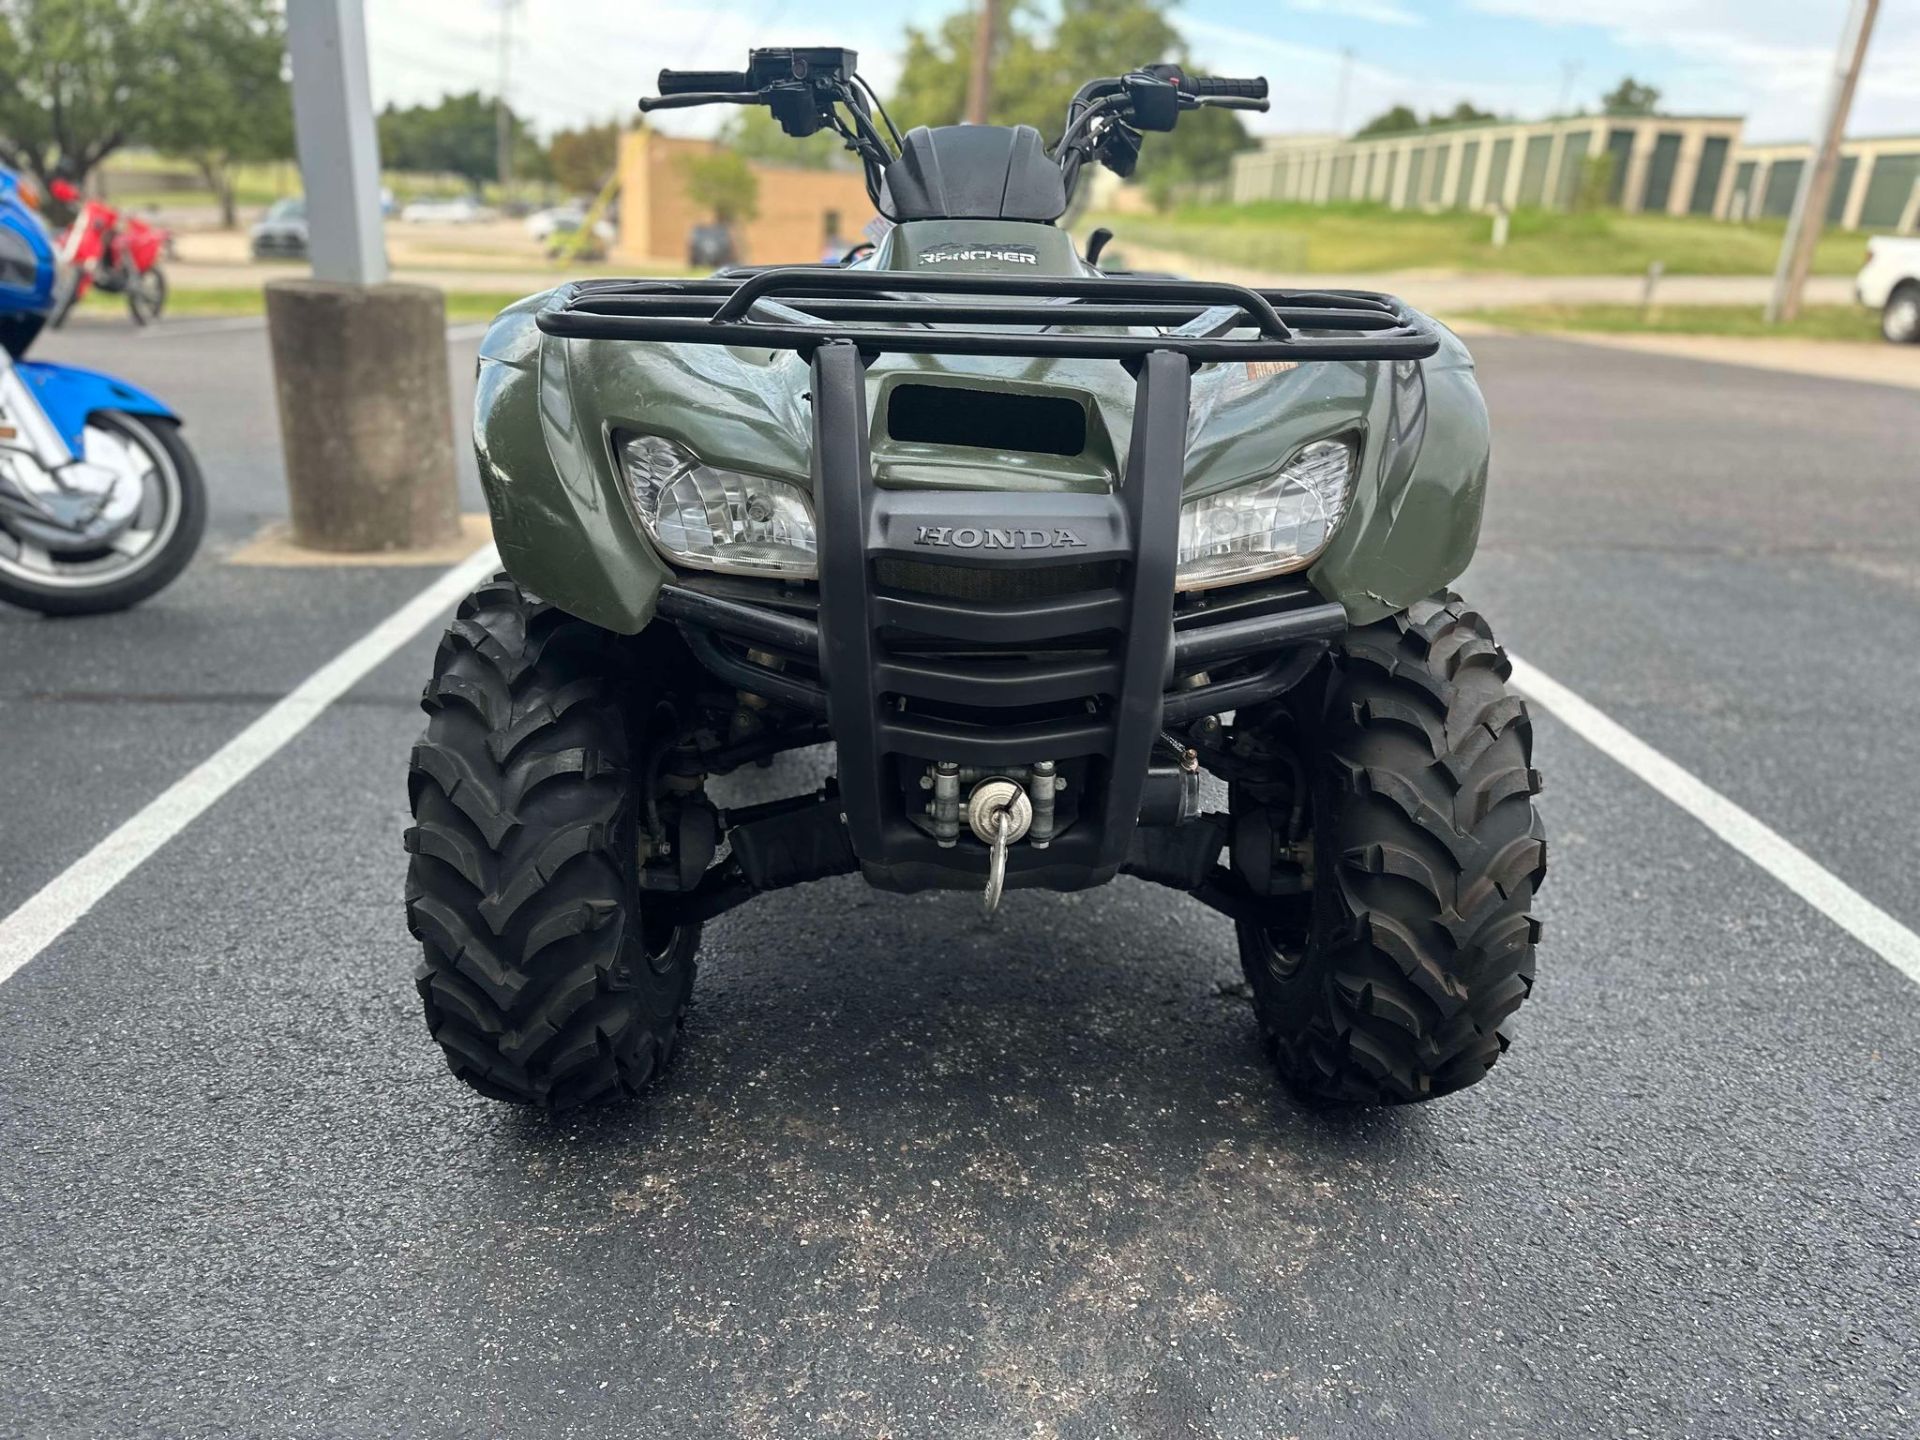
(909, 673)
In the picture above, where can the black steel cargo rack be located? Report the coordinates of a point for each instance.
(1089, 661)
(803, 307)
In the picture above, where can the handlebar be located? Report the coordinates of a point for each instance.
(810, 89)
(690, 82)
(1203, 87)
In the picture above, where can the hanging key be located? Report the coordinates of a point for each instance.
(998, 813)
(997, 861)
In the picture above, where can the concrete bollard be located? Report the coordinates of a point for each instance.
(366, 414)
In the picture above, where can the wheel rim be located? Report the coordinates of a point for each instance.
(146, 295)
(140, 542)
(1903, 319)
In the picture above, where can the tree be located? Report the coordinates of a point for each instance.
(456, 135)
(581, 160)
(723, 183)
(220, 93)
(1630, 97)
(74, 82)
(1036, 69)
(1402, 118)
(1397, 121)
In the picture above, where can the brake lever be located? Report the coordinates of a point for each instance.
(1229, 102)
(650, 103)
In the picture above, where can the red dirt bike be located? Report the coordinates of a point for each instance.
(114, 252)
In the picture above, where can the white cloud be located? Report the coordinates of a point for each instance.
(577, 61)
(1310, 99)
(1769, 60)
(1377, 12)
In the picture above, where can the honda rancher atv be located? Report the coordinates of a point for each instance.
(1033, 547)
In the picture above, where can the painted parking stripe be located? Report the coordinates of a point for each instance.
(71, 894)
(176, 329)
(1764, 846)
(82, 885)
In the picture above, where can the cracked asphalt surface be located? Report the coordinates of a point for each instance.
(915, 1174)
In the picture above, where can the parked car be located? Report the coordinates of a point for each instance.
(564, 220)
(711, 246)
(282, 235)
(464, 210)
(555, 220)
(1890, 283)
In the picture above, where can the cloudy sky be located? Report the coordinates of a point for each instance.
(580, 60)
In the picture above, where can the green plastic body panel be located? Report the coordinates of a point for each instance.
(548, 412)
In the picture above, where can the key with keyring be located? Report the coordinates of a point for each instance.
(998, 813)
(997, 860)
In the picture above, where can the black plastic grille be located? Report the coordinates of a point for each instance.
(966, 582)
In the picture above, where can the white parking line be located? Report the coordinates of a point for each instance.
(173, 329)
(83, 884)
(1765, 847)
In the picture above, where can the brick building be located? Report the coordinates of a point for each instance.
(794, 206)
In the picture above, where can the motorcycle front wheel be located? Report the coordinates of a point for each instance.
(145, 555)
(146, 295)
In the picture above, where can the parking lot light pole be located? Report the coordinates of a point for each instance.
(360, 363)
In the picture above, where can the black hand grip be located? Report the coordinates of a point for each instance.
(691, 82)
(1202, 86)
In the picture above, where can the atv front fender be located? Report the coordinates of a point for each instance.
(561, 526)
(1414, 518)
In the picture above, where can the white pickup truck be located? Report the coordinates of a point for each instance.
(1890, 283)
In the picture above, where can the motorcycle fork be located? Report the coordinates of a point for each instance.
(25, 429)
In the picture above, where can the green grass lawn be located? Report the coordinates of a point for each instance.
(1816, 322)
(1356, 238)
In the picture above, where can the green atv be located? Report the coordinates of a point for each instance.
(1033, 546)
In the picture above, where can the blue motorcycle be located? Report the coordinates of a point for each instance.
(101, 503)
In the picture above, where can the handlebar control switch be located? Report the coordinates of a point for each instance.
(1155, 101)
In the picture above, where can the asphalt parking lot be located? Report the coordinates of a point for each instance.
(917, 1174)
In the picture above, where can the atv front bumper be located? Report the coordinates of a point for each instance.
(995, 631)
(979, 631)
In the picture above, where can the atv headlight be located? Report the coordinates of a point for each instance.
(1267, 526)
(718, 519)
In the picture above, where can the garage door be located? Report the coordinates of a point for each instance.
(1706, 182)
(1783, 181)
(1887, 191)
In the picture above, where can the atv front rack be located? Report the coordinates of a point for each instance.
(996, 628)
(1082, 316)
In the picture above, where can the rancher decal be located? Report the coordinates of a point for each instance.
(1005, 254)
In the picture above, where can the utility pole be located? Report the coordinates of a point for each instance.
(359, 363)
(1569, 72)
(980, 80)
(1816, 181)
(1340, 92)
(502, 116)
(338, 143)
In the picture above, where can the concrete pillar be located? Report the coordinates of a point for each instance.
(360, 372)
(1686, 169)
(1856, 201)
(1633, 198)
